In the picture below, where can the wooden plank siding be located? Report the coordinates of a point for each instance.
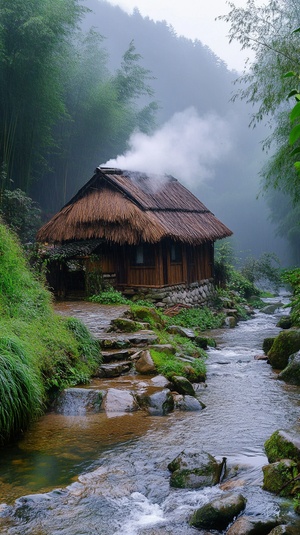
(192, 264)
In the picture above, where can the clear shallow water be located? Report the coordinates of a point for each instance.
(126, 486)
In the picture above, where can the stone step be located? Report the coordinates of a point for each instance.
(112, 355)
(138, 339)
(114, 369)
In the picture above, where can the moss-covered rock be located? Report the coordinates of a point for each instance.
(218, 513)
(183, 386)
(267, 344)
(282, 445)
(279, 477)
(285, 322)
(291, 374)
(285, 344)
(194, 469)
(145, 314)
(124, 325)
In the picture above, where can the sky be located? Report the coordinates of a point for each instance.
(195, 19)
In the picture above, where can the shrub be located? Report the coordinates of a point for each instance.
(241, 285)
(110, 297)
(197, 318)
(20, 213)
(292, 278)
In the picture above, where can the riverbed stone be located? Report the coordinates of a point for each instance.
(270, 309)
(250, 525)
(283, 445)
(182, 385)
(285, 344)
(145, 364)
(279, 477)
(218, 513)
(119, 401)
(285, 322)
(159, 403)
(291, 374)
(194, 469)
(187, 403)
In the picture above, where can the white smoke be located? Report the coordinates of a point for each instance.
(187, 146)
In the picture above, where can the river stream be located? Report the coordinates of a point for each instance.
(108, 475)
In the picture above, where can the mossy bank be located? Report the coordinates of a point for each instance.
(40, 353)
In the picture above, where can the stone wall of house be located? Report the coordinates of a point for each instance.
(195, 294)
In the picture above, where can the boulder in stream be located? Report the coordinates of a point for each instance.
(159, 403)
(195, 469)
(119, 401)
(218, 513)
(270, 309)
(182, 385)
(285, 322)
(187, 403)
(285, 344)
(283, 445)
(280, 477)
(250, 525)
(291, 374)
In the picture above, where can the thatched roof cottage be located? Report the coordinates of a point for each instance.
(135, 230)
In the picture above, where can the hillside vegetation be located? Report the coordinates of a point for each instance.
(40, 352)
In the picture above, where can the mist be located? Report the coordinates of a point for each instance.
(187, 147)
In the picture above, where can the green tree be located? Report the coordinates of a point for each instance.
(33, 34)
(268, 31)
(103, 109)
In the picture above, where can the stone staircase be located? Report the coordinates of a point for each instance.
(120, 350)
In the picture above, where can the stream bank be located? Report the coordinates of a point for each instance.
(126, 488)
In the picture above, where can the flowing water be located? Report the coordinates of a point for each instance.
(110, 472)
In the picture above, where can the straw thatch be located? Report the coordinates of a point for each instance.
(123, 207)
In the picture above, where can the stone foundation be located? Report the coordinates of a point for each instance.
(195, 294)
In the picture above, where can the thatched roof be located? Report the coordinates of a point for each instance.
(126, 207)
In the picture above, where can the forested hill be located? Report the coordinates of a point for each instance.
(185, 72)
(188, 74)
(78, 88)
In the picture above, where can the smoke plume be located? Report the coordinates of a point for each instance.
(187, 146)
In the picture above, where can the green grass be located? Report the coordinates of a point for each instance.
(200, 319)
(169, 365)
(40, 352)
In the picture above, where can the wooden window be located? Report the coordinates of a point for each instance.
(143, 255)
(176, 253)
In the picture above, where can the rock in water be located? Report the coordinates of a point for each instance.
(283, 445)
(194, 469)
(285, 344)
(291, 374)
(218, 513)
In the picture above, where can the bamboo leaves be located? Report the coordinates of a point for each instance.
(294, 136)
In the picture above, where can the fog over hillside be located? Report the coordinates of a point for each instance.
(202, 137)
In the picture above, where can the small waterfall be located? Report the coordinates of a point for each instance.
(78, 401)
